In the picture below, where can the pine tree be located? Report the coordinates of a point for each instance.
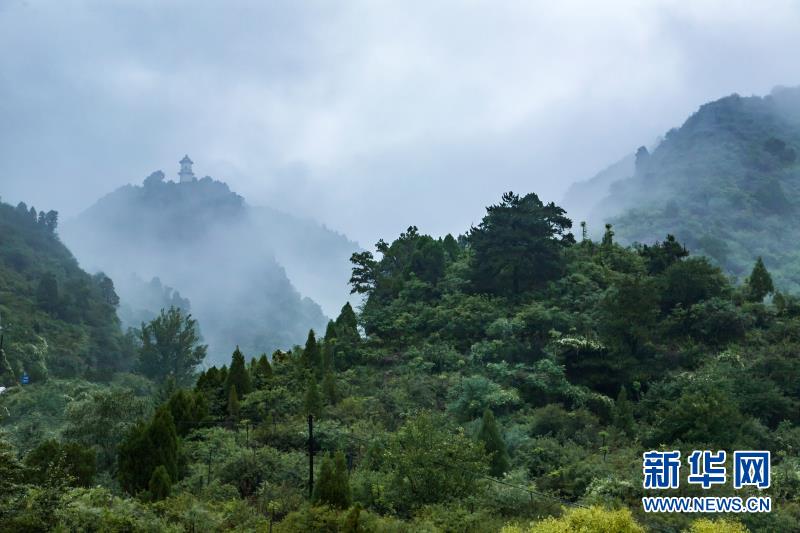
(233, 403)
(312, 402)
(759, 283)
(238, 375)
(329, 387)
(493, 443)
(188, 408)
(352, 523)
(312, 356)
(160, 484)
(330, 331)
(347, 337)
(333, 486)
(263, 372)
(145, 448)
(623, 413)
(347, 325)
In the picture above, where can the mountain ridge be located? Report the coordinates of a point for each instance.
(188, 233)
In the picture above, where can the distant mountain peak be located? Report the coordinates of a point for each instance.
(726, 183)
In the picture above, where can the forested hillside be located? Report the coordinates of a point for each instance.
(213, 255)
(56, 319)
(726, 183)
(510, 378)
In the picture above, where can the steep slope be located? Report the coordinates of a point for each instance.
(56, 319)
(727, 183)
(222, 257)
(582, 198)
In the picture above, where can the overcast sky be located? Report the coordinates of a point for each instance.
(367, 116)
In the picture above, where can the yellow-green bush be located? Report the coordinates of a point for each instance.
(590, 520)
(704, 525)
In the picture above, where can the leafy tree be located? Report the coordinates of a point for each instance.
(77, 461)
(312, 402)
(101, 419)
(364, 277)
(12, 475)
(594, 519)
(430, 463)
(722, 525)
(518, 245)
(691, 281)
(333, 487)
(51, 221)
(238, 375)
(494, 445)
(160, 484)
(663, 254)
(171, 347)
(759, 283)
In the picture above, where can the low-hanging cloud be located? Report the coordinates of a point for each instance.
(367, 116)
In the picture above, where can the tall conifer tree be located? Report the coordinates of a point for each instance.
(238, 375)
(759, 283)
(493, 443)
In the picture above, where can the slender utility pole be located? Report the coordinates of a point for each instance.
(310, 456)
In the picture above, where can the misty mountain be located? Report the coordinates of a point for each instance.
(726, 183)
(56, 319)
(197, 245)
(581, 199)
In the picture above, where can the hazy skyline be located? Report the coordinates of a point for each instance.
(366, 116)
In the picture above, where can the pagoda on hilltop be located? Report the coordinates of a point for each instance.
(186, 175)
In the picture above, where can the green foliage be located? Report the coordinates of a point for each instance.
(489, 435)
(59, 320)
(722, 525)
(77, 462)
(759, 284)
(623, 413)
(238, 375)
(431, 463)
(518, 244)
(188, 409)
(312, 354)
(594, 519)
(160, 484)
(147, 447)
(233, 404)
(332, 486)
(329, 387)
(171, 347)
(312, 402)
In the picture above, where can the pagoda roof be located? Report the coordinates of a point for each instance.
(186, 160)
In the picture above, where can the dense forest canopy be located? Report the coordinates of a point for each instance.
(57, 319)
(489, 381)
